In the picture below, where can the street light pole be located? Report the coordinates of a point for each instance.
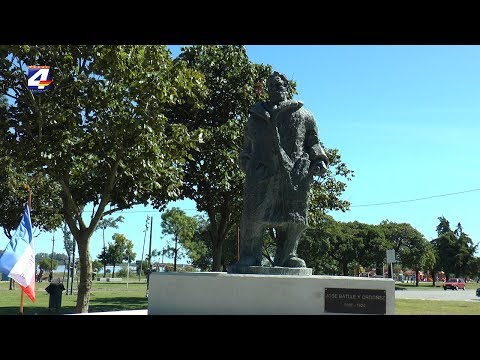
(150, 246)
(73, 267)
(149, 256)
(51, 259)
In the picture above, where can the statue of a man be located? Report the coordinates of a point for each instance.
(281, 155)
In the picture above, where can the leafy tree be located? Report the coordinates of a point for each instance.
(334, 239)
(100, 133)
(104, 259)
(141, 266)
(445, 247)
(3, 105)
(48, 264)
(15, 183)
(314, 245)
(402, 238)
(175, 222)
(121, 249)
(96, 266)
(149, 258)
(332, 247)
(466, 254)
(199, 248)
(414, 251)
(455, 250)
(325, 191)
(443, 227)
(430, 262)
(104, 224)
(213, 179)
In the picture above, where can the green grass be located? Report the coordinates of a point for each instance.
(116, 296)
(104, 297)
(436, 307)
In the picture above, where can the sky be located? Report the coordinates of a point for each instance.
(405, 119)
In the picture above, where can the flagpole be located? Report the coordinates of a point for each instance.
(29, 208)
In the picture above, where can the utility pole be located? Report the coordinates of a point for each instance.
(150, 246)
(73, 267)
(149, 256)
(50, 276)
(143, 247)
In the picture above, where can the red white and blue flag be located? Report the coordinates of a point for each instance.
(18, 259)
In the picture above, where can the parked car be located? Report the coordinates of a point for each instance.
(454, 284)
(478, 292)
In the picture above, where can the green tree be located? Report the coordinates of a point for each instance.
(402, 238)
(455, 251)
(325, 191)
(314, 245)
(100, 132)
(332, 247)
(213, 179)
(15, 183)
(414, 251)
(3, 105)
(121, 249)
(466, 252)
(182, 227)
(103, 224)
(46, 264)
(430, 262)
(96, 266)
(199, 249)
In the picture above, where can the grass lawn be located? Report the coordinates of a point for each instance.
(105, 296)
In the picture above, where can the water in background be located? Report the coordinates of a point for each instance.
(133, 269)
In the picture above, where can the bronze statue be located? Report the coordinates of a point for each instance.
(281, 155)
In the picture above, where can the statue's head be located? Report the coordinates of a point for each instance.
(277, 87)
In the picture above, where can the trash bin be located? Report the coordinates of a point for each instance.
(55, 300)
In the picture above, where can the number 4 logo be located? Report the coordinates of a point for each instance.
(39, 78)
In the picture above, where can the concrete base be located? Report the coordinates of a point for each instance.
(269, 270)
(219, 293)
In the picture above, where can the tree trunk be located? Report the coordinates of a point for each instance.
(85, 285)
(416, 277)
(217, 255)
(217, 247)
(345, 268)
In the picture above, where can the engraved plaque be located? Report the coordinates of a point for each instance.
(355, 301)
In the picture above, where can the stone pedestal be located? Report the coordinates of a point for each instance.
(219, 293)
(269, 270)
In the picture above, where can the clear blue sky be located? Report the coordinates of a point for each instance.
(406, 119)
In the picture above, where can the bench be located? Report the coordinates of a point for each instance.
(110, 279)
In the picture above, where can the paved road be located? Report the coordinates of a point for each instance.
(440, 294)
